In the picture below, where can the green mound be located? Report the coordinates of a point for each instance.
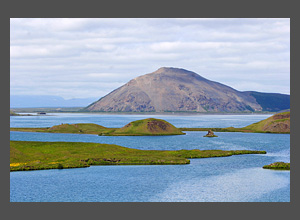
(81, 128)
(85, 128)
(34, 155)
(149, 126)
(278, 123)
(278, 166)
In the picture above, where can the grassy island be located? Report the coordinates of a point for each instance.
(32, 155)
(80, 128)
(278, 166)
(149, 126)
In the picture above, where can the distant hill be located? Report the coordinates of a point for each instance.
(36, 101)
(179, 90)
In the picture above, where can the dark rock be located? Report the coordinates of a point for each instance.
(210, 134)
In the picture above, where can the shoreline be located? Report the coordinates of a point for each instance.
(53, 111)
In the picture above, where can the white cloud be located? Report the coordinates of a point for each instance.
(91, 57)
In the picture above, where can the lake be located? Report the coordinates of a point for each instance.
(238, 178)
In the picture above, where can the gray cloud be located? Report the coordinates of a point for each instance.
(78, 58)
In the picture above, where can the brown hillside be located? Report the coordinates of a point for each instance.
(173, 89)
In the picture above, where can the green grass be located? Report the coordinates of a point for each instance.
(262, 126)
(31, 155)
(229, 129)
(81, 128)
(278, 166)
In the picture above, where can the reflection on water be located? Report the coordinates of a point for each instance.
(246, 185)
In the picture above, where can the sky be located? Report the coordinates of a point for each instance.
(90, 57)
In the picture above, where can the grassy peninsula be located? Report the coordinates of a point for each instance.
(278, 123)
(149, 126)
(32, 155)
(278, 166)
(80, 128)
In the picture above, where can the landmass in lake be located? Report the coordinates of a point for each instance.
(32, 155)
(278, 123)
(149, 126)
(278, 166)
(179, 90)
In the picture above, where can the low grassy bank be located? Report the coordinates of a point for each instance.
(231, 129)
(145, 127)
(278, 166)
(278, 123)
(80, 128)
(32, 155)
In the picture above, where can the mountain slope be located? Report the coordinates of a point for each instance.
(271, 101)
(173, 89)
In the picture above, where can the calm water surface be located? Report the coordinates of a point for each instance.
(237, 178)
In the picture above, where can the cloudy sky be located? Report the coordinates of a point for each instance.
(80, 58)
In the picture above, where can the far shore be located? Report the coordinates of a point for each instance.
(69, 111)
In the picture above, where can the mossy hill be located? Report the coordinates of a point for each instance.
(278, 166)
(32, 155)
(80, 128)
(150, 126)
(278, 123)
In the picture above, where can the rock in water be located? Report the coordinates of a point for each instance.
(179, 90)
(210, 134)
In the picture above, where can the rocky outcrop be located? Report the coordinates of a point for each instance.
(175, 90)
(210, 134)
(278, 123)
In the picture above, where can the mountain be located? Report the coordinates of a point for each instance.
(271, 101)
(174, 89)
(36, 101)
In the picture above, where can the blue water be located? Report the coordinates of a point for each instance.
(237, 178)
(203, 121)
